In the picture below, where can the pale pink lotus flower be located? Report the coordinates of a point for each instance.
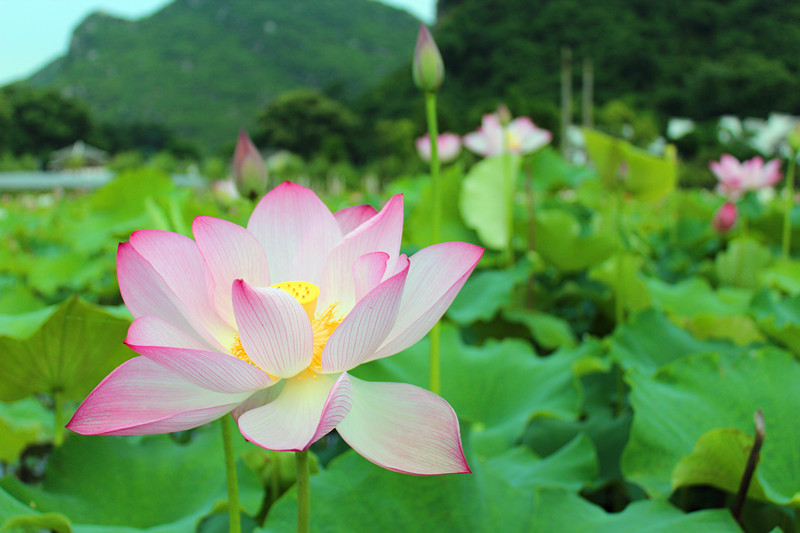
(448, 145)
(736, 178)
(725, 217)
(267, 321)
(520, 136)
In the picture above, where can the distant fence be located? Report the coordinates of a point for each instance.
(87, 179)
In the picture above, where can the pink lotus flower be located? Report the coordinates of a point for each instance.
(520, 136)
(736, 178)
(725, 217)
(448, 144)
(267, 321)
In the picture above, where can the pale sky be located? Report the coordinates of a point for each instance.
(34, 32)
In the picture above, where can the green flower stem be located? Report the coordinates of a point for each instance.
(508, 183)
(788, 192)
(433, 133)
(58, 409)
(230, 470)
(436, 223)
(530, 293)
(303, 493)
(619, 306)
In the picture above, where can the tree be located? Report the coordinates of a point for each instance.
(43, 120)
(308, 123)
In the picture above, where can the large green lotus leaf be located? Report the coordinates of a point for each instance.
(718, 459)
(497, 387)
(70, 353)
(69, 269)
(549, 171)
(126, 194)
(558, 510)
(650, 341)
(706, 313)
(694, 296)
(571, 467)
(606, 153)
(23, 423)
(621, 273)
(417, 226)
(24, 324)
(483, 201)
(683, 401)
(353, 495)
(783, 275)
(16, 297)
(778, 318)
(741, 264)
(16, 517)
(549, 331)
(561, 242)
(649, 177)
(137, 483)
(486, 292)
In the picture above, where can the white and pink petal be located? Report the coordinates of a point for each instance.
(297, 232)
(366, 326)
(230, 253)
(141, 397)
(403, 428)
(435, 276)
(305, 410)
(274, 329)
(352, 217)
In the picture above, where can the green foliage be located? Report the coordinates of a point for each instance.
(308, 123)
(240, 53)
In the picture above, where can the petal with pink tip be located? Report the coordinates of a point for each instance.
(382, 233)
(368, 271)
(230, 253)
(297, 232)
(306, 409)
(478, 143)
(154, 331)
(257, 399)
(140, 397)
(435, 276)
(365, 327)
(274, 329)
(403, 428)
(210, 370)
(352, 217)
(146, 293)
(178, 260)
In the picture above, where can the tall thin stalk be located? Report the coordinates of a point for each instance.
(436, 225)
(230, 470)
(303, 493)
(788, 191)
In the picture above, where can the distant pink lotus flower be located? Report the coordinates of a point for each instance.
(520, 136)
(725, 217)
(267, 321)
(736, 178)
(249, 171)
(448, 144)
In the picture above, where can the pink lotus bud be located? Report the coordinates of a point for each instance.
(428, 67)
(447, 144)
(249, 172)
(725, 217)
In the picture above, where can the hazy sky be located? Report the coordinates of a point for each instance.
(33, 32)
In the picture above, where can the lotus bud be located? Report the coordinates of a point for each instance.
(504, 115)
(725, 217)
(428, 67)
(249, 172)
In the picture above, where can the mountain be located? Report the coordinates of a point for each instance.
(204, 67)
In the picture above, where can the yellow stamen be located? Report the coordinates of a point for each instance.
(238, 350)
(304, 292)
